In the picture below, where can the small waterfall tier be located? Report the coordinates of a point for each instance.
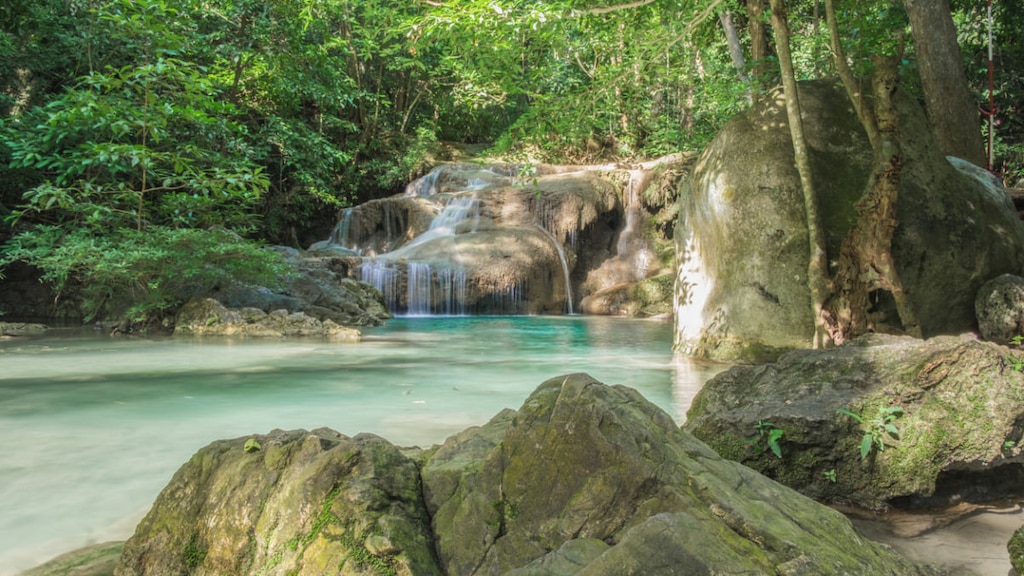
(471, 239)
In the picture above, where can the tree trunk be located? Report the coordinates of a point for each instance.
(817, 267)
(951, 109)
(865, 262)
(736, 52)
(735, 48)
(758, 38)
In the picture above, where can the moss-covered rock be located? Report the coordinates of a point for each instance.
(742, 243)
(582, 461)
(956, 405)
(96, 560)
(208, 317)
(302, 503)
(584, 479)
(14, 329)
(1016, 549)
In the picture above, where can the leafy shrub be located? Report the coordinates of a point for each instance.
(143, 274)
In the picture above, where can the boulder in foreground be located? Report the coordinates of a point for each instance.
(584, 479)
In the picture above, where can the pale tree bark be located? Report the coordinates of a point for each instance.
(951, 109)
(817, 267)
(736, 51)
(865, 262)
(735, 48)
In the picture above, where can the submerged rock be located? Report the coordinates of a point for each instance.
(954, 404)
(584, 479)
(95, 560)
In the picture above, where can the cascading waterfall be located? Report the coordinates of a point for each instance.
(631, 247)
(424, 186)
(429, 289)
(447, 264)
(339, 236)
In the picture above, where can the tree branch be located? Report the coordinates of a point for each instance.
(865, 112)
(607, 9)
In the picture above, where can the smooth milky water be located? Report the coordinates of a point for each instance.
(95, 427)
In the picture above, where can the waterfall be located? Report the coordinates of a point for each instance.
(384, 276)
(451, 285)
(454, 213)
(429, 289)
(339, 236)
(631, 247)
(424, 186)
(565, 267)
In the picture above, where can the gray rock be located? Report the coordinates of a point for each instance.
(570, 558)
(305, 504)
(585, 461)
(958, 437)
(22, 329)
(321, 289)
(741, 288)
(1000, 308)
(208, 317)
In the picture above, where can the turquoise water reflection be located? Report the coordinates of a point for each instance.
(95, 427)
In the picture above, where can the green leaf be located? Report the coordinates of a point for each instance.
(865, 445)
(845, 412)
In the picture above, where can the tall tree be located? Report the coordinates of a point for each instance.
(951, 109)
(758, 37)
(865, 262)
(817, 267)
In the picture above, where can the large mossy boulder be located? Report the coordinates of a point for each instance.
(742, 242)
(297, 503)
(583, 479)
(956, 406)
(594, 479)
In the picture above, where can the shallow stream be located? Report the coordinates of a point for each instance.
(95, 427)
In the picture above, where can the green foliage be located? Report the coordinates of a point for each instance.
(252, 445)
(270, 116)
(141, 144)
(1016, 361)
(142, 274)
(193, 552)
(877, 429)
(830, 475)
(770, 436)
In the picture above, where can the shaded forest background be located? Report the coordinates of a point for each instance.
(138, 133)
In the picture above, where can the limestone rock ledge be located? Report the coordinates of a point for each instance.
(958, 432)
(14, 329)
(208, 317)
(583, 479)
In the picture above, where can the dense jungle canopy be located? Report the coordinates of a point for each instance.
(137, 133)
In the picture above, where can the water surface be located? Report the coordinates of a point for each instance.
(95, 427)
